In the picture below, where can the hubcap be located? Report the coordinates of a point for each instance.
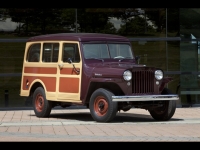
(100, 106)
(39, 103)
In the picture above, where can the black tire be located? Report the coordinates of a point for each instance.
(165, 112)
(101, 106)
(42, 107)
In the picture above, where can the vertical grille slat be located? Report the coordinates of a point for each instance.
(142, 82)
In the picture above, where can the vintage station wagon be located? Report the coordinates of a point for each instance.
(99, 71)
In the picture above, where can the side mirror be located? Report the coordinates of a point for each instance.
(69, 60)
(137, 58)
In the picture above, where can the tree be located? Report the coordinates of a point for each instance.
(3, 14)
(135, 25)
(24, 16)
(91, 21)
(124, 14)
(189, 18)
(36, 18)
(157, 16)
(109, 29)
(46, 17)
(68, 19)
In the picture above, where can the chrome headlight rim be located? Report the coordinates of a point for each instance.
(127, 75)
(159, 74)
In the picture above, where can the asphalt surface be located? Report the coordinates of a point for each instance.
(76, 124)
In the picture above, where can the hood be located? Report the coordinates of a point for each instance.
(111, 69)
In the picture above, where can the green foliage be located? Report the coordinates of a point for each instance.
(3, 14)
(91, 22)
(135, 21)
(109, 29)
(135, 25)
(187, 21)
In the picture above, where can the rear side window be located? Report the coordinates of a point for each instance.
(50, 52)
(34, 53)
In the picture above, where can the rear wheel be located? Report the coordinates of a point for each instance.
(42, 107)
(102, 108)
(165, 112)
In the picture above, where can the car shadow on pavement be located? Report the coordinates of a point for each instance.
(120, 117)
(130, 117)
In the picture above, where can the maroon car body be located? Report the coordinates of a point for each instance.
(112, 80)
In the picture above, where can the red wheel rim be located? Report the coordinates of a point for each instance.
(100, 106)
(39, 102)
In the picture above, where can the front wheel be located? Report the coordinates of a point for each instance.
(42, 107)
(165, 112)
(101, 106)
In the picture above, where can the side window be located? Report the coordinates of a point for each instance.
(71, 51)
(33, 54)
(50, 52)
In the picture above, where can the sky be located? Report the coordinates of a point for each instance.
(8, 25)
(116, 22)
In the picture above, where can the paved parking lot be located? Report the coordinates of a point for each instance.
(78, 125)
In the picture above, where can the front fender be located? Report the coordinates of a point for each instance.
(164, 82)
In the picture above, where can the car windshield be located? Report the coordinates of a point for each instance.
(103, 51)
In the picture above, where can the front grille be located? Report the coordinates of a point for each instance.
(143, 82)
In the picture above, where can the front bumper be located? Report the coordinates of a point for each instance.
(145, 98)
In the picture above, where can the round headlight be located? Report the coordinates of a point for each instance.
(127, 75)
(158, 74)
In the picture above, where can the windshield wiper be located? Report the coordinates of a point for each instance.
(96, 58)
(125, 58)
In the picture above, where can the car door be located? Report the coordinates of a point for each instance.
(69, 73)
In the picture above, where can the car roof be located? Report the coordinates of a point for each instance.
(78, 37)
